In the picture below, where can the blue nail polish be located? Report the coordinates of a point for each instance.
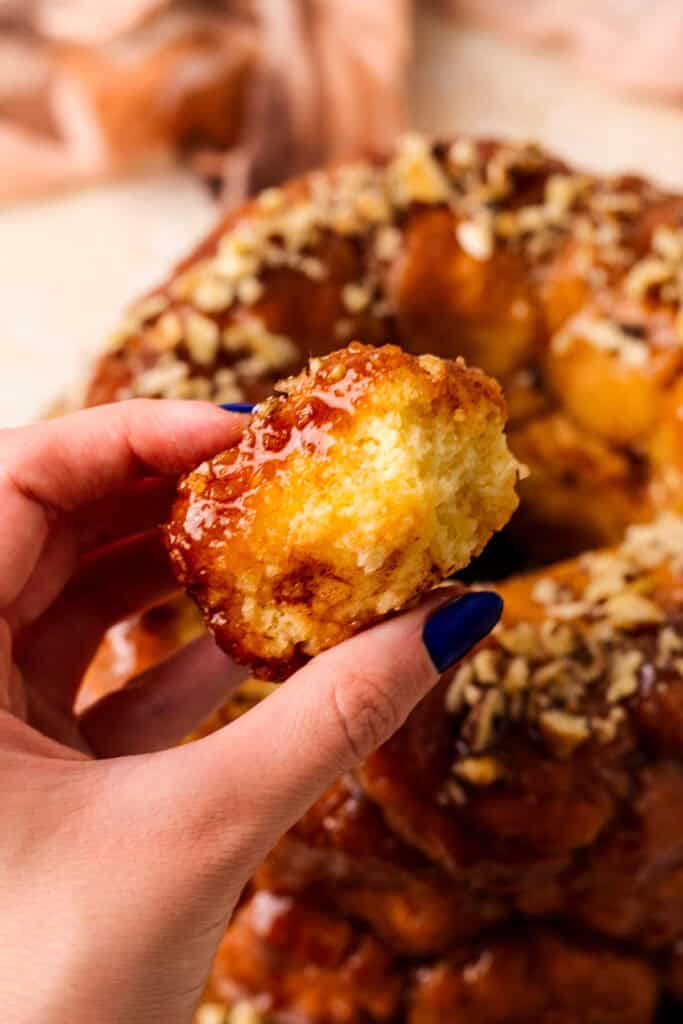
(454, 629)
(238, 407)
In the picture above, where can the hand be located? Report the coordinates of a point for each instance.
(119, 875)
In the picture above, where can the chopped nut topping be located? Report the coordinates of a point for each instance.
(414, 176)
(572, 674)
(476, 237)
(213, 1013)
(169, 328)
(485, 666)
(455, 695)
(249, 290)
(160, 380)
(244, 1013)
(479, 771)
(546, 591)
(628, 610)
(355, 297)
(623, 675)
(603, 334)
(387, 243)
(213, 294)
(564, 731)
(147, 309)
(201, 337)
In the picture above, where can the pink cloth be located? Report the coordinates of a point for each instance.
(634, 45)
(248, 90)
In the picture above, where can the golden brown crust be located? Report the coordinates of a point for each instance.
(372, 477)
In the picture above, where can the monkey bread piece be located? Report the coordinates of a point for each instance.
(370, 478)
(296, 963)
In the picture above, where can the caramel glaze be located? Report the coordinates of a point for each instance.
(552, 891)
(207, 535)
(316, 966)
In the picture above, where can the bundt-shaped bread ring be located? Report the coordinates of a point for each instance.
(515, 853)
(563, 285)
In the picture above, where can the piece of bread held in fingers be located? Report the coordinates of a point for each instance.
(369, 478)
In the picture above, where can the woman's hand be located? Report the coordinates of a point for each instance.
(118, 875)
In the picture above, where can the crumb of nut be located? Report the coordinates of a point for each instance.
(563, 731)
(479, 771)
(489, 708)
(312, 267)
(516, 675)
(463, 153)
(546, 591)
(387, 243)
(627, 610)
(271, 199)
(213, 294)
(226, 387)
(159, 380)
(249, 290)
(455, 695)
(623, 675)
(562, 191)
(201, 338)
(476, 237)
(169, 330)
(373, 206)
(356, 297)
(148, 308)
(485, 666)
(667, 242)
(244, 1013)
(414, 175)
(644, 275)
(212, 1013)
(669, 642)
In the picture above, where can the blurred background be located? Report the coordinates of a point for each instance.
(127, 125)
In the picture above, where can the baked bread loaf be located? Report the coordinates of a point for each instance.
(563, 286)
(515, 853)
(369, 478)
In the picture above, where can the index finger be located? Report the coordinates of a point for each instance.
(62, 464)
(73, 460)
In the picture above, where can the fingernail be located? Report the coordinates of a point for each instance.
(454, 629)
(237, 407)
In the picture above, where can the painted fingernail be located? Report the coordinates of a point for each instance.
(454, 629)
(237, 407)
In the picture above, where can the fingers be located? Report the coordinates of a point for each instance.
(254, 778)
(62, 464)
(163, 704)
(125, 578)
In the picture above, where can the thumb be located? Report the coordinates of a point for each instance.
(245, 785)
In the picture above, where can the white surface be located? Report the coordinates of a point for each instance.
(69, 265)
